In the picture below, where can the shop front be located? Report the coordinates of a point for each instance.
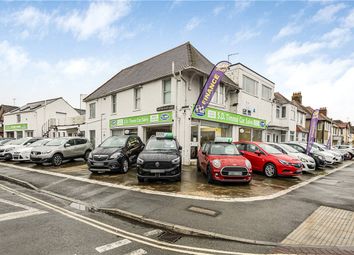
(219, 123)
(143, 125)
(15, 130)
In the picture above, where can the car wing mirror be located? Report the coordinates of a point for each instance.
(67, 145)
(258, 152)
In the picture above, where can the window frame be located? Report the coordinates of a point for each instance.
(114, 103)
(283, 112)
(92, 114)
(269, 90)
(137, 98)
(245, 86)
(165, 92)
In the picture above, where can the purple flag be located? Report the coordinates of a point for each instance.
(329, 143)
(210, 87)
(313, 131)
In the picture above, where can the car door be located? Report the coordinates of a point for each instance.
(256, 160)
(80, 147)
(69, 151)
(204, 156)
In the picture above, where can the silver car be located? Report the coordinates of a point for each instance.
(60, 149)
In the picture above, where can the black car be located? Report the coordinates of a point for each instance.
(160, 159)
(116, 153)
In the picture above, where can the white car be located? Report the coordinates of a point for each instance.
(346, 148)
(7, 149)
(338, 157)
(328, 158)
(23, 153)
(308, 163)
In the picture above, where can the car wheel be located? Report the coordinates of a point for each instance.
(141, 179)
(209, 176)
(8, 157)
(270, 170)
(350, 156)
(87, 153)
(125, 165)
(57, 159)
(198, 167)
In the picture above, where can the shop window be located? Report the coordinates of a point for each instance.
(283, 112)
(250, 85)
(268, 138)
(194, 134)
(245, 134)
(257, 135)
(29, 133)
(114, 103)
(10, 134)
(92, 108)
(18, 117)
(19, 134)
(137, 98)
(166, 91)
(266, 93)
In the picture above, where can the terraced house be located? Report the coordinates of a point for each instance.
(158, 95)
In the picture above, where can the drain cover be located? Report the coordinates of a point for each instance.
(169, 237)
(204, 211)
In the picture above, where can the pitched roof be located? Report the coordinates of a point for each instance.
(7, 108)
(300, 107)
(342, 124)
(80, 111)
(301, 129)
(321, 116)
(281, 99)
(35, 105)
(185, 56)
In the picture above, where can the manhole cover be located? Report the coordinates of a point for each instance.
(204, 211)
(169, 237)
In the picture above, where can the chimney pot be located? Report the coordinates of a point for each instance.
(297, 96)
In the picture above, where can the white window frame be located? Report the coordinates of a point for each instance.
(219, 95)
(247, 87)
(114, 103)
(166, 92)
(283, 116)
(292, 114)
(278, 111)
(92, 110)
(18, 118)
(269, 92)
(137, 98)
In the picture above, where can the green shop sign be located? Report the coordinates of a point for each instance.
(161, 117)
(15, 127)
(216, 115)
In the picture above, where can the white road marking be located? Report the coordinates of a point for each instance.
(112, 246)
(137, 252)
(221, 199)
(15, 204)
(20, 214)
(153, 232)
(121, 232)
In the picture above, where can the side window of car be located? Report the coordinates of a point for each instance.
(241, 146)
(207, 147)
(252, 148)
(71, 142)
(203, 147)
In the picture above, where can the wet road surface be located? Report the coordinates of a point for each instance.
(193, 183)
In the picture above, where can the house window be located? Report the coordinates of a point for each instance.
(29, 133)
(292, 136)
(250, 85)
(92, 108)
(292, 114)
(137, 98)
(18, 116)
(266, 93)
(283, 112)
(219, 95)
(114, 103)
(166, 91)
(278, 112)
(283, 136)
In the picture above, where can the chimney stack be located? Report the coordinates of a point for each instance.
(297, 97)
(323, 110)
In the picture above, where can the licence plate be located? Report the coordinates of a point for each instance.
(99, 164)
(157, 171)
(235, 173)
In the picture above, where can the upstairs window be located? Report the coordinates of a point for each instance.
(219, 95)
(18, 117)
(266, 93)
(92, 108)
(277, 114)
(250, 85)
(137, 98)
(283, 112)
(166, 91)
(114, 103)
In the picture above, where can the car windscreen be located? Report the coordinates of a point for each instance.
(38, 143)
(269, 149)
(161, 144)
(288, 148)
(18, 141)
(224, 149)
(4, 142)
(114, 142)
(57, 142)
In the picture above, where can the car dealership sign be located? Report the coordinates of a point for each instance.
(14, 127)
(161, 117)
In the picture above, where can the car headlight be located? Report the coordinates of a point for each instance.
(321, 157)
(176, 160)
(46, 152)
(90, 155)
(139, 161)
(283, 162)
(115, 155)
(303, 160)
(248, 164)
(216, 163)
(9, 149)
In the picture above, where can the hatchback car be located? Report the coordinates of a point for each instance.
(308, 163)
(23, 154)
(321, 159)
(116, 153)
(160, 159)
(221, 161)
(7, 149)
(272, 162)
(60, 149)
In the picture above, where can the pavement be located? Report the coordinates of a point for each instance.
(271, 220)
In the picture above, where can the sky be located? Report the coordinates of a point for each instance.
(64, 49)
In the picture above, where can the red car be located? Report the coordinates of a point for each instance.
(270, 161)
(221, 161)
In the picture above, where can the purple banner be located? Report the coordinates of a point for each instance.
(210, 87)
(313, 131)
(329, 143)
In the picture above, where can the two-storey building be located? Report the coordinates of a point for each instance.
(302, 114)
(49, 118)
(4, 109)
(158, 94)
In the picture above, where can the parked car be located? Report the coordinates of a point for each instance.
(116, 153)
(60, 149)
(321, 159)
(160, 159)
(221, 161)
(346, 154)
(3, 141)
(348, 148)
(22, 154)
(7, 149)
(338, 157)
(272, 162)
(308, 163)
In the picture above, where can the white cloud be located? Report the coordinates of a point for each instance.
(31, 17)
(217, 10)
(12, 58)
(242, 5)
(98, 19)
(192, 24)
(349, 20)
(328, 13)
(288, 30)
(245, 34)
